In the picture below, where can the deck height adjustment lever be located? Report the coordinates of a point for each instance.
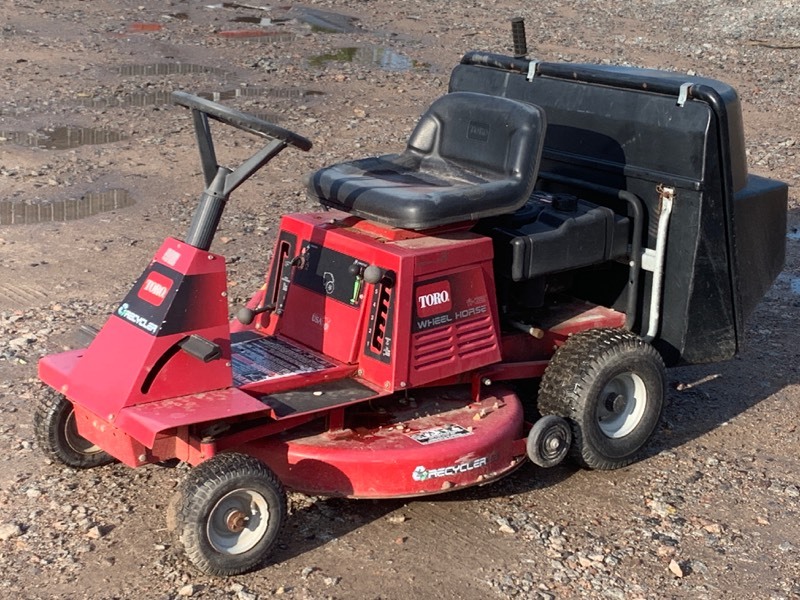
(246, 315)
(373, 274)
(297, 261)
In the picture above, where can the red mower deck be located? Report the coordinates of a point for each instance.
(433, 441)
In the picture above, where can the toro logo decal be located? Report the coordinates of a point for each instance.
(434, 298)
(155, 288)
(478, 131)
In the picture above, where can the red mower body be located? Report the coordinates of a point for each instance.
(333, 340)
(432, 315)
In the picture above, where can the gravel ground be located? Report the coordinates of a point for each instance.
(712, 510)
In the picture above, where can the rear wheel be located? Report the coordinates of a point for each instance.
(228, 514)
(610, 385)
(57, 434)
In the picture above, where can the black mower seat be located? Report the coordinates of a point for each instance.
(470, 156)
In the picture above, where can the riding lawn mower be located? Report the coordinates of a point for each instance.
(572, 225)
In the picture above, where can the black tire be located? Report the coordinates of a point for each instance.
(57, 434)
(610, 385)
(549, 441)
(229, 513)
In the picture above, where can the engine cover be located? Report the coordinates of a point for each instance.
(558, 232)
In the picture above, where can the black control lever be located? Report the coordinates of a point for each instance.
(297, 261)
(246, 315)
(201, 348)
(374, 274)
(356, 270)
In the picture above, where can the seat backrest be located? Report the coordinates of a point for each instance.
(498, 137)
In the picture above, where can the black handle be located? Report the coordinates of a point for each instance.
(246, 315)
(240, 120)
(201, 348)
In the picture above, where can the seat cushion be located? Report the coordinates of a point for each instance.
(471, 156)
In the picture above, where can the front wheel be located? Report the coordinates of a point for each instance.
(228, 514)
(610, 385)
(57, 433)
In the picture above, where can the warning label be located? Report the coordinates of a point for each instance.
(439, 434)
(270, 358)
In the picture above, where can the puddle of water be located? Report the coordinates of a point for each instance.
(386, 59)
(93, 203)
(237, 5)
(269, 117)
(340, 55)
(794, 285)
(264, 21)
(324, 21)
(164, 98)
(794, 234)
(63, 138)
(167, 69)
(319, 20)
(130, 100)
(274, 36)
(255, 92)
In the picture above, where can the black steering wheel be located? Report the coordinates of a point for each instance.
(241, 120)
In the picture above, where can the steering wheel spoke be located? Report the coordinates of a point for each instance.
(240, 120)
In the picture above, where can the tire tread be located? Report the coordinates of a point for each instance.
(46, 414)
(573, 369)
(198, 490)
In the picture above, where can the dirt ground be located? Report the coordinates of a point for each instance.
(87, 129)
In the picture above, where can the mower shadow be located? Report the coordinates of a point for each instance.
(688, 414)
(720, 393)
(324, 520)
(704, 397)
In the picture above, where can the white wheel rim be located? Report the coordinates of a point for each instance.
(621, 405)
(238, 521)
(75, 440)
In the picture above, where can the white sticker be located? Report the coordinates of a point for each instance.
(439, 434)
(171, 256)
